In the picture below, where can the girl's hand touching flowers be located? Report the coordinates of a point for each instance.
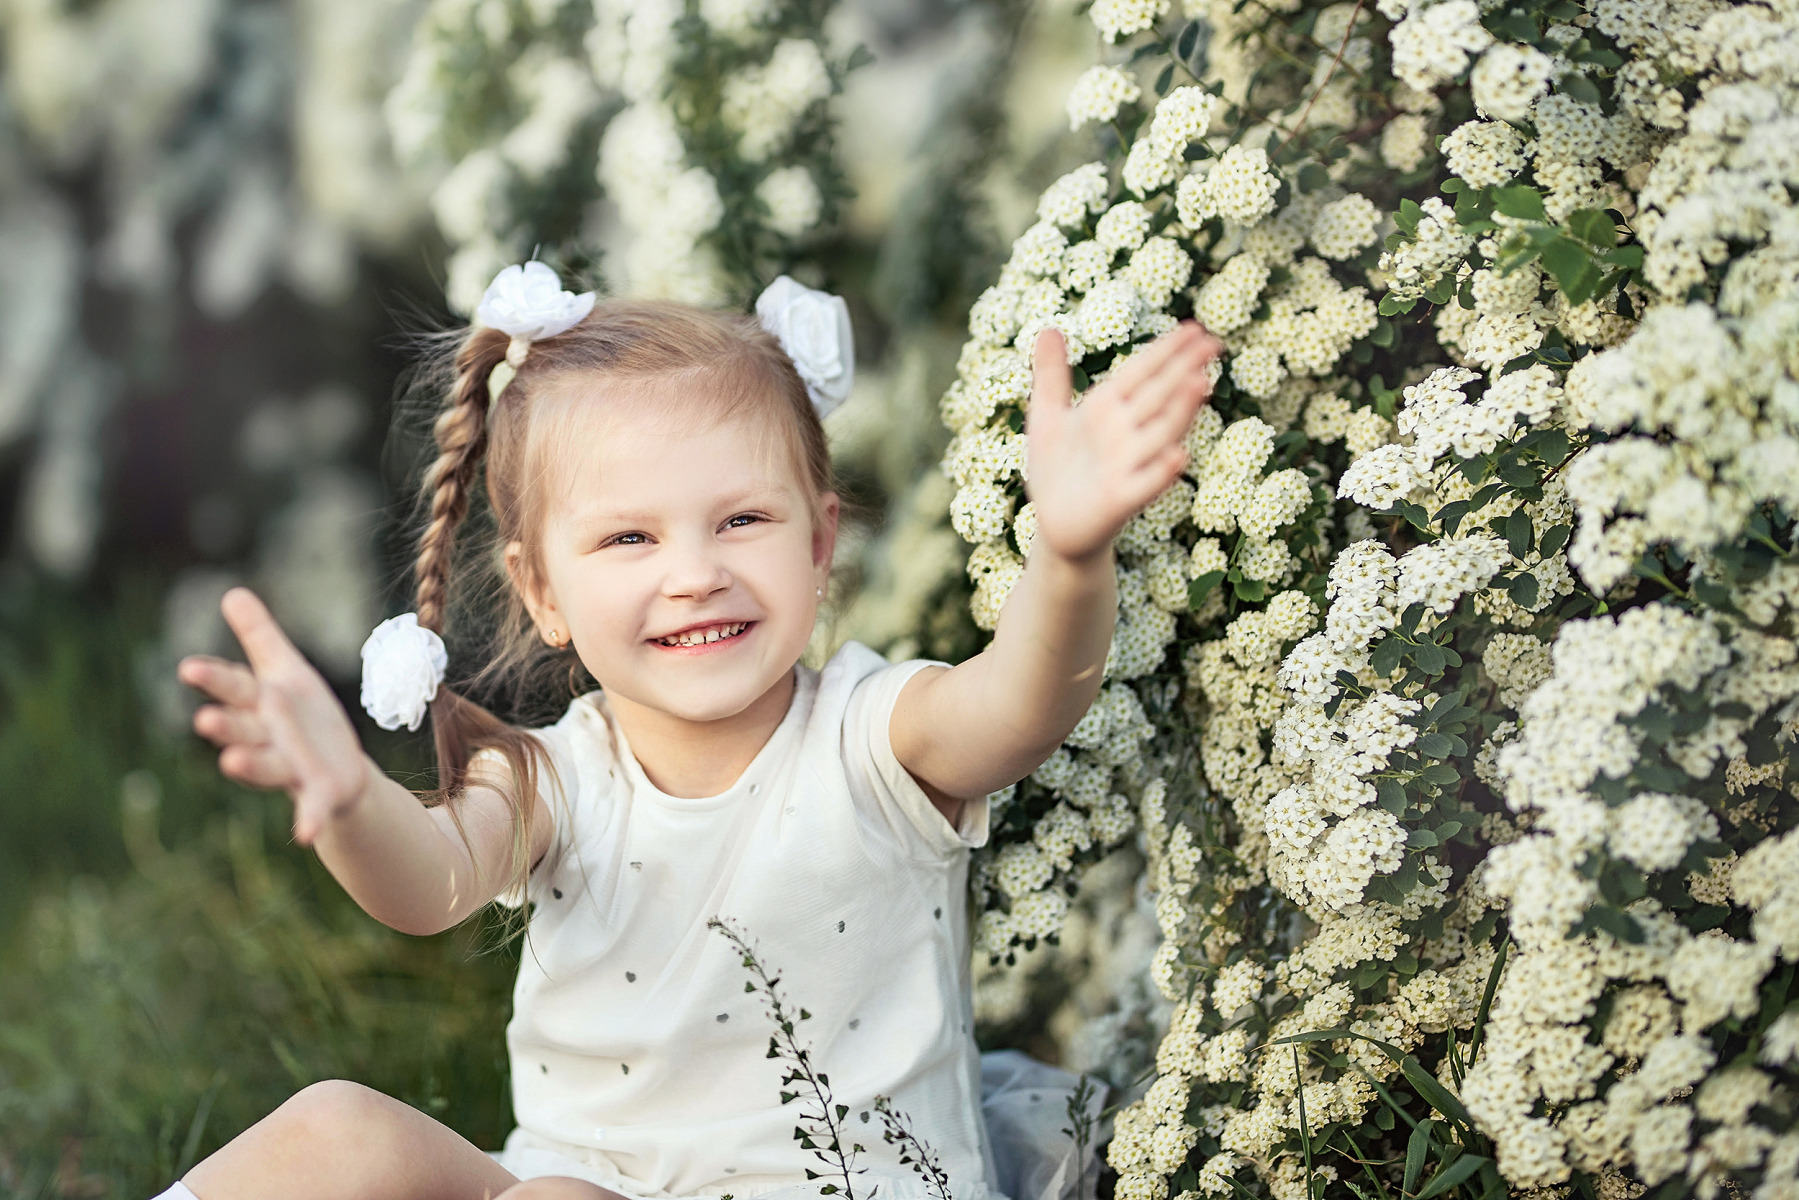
(277, 721)
(1093, 466)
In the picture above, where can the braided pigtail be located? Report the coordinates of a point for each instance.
(459, 725)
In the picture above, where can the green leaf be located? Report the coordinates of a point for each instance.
(1628, 257)
(1450, 516)
(1523, 590)
(1201, 587)
(1573, 267)
(1521, 201)
(1591, 225)
(1580, 87)
(1385, 656)
(1452, 1175)
(1414, 514)
(1429, 658)
(1620, 925)
(1434, 745)
(1517, 26)
(860, 57)
(1383, 335)
(1393, 306)
(1421, 839)
(1554, 538)
(1408, 216)
(1519, 534)
(1392, 795)
(1250, 591)
(1434, 1093)
(1164, 79)
(1189, 38)
(1417, 1148)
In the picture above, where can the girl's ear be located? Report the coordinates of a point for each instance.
(538, 600)
(824, 530)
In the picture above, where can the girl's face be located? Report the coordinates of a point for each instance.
(683, 558)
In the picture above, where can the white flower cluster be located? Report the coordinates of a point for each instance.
(667, 203)
(1465, 742)
(490, 201)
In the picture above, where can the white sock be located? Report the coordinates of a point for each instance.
(177, 1191)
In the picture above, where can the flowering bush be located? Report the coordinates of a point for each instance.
(706, 129)
(1454, 689)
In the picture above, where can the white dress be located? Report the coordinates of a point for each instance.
(640, 1062)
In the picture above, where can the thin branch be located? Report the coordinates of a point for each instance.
(1348, 32)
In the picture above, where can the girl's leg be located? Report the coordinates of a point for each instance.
(342, 1141)
(557, 1187)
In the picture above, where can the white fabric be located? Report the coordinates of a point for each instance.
(1024, 1103)
(177, 1191)
(637, 1055)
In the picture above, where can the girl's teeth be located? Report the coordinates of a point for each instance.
(705, 637)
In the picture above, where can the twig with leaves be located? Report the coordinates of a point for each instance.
(1080, 1128)
(913, 1150)
(820, 1129)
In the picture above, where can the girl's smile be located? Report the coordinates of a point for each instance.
(705, 638)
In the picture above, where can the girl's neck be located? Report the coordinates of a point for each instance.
(696, 759)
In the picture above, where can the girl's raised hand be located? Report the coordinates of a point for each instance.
(1094, 466)
(277, 721)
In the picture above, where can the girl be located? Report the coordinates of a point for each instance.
(662, 507)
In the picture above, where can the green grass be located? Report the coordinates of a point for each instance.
(170, 967)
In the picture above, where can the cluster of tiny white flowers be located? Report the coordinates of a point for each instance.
(1678, 414)
(763, 104)
(1432, 44)
(666, 205)
(1098, 95)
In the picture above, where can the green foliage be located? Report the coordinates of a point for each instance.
(173, 968)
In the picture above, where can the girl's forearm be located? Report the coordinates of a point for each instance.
(402, 862)
(993, 719)
(1048, 653)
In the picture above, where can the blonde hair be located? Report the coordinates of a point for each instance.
(736, 367)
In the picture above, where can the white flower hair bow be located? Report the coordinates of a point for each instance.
(403, 664)
(527, 301)
(814, 328)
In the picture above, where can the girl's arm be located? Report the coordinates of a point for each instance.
(280, 726)
(974, 728)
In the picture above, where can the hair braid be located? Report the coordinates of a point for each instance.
(461, 434)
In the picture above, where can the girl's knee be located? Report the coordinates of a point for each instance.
(556, 1187)
(334, 1105)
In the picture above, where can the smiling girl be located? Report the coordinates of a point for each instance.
(663, 508)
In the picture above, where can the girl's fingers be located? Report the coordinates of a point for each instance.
(224, 726)
(1147, 362)
(227, 682)
(1052, 380)
(1170, 420)
(258, 766)
(264, 644)
(1181, 375)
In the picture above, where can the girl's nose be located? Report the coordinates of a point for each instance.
(695, 573)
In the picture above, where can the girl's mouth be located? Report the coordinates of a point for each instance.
(705, 637)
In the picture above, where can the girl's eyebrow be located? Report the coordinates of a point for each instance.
(757, 493)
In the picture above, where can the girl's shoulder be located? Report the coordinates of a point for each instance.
(858, 667)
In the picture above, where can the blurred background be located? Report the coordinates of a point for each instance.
(223, 223)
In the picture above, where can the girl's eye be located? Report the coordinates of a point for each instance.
(623, 539)
(741, 519)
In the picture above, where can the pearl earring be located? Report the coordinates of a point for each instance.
(821, 593)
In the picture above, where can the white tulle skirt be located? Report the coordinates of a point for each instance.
(1025, 1104)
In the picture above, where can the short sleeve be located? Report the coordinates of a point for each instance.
(876, 774)
(554, 776)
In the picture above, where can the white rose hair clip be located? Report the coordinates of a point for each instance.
(527, 302)
(814, 328)
(403, 665)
